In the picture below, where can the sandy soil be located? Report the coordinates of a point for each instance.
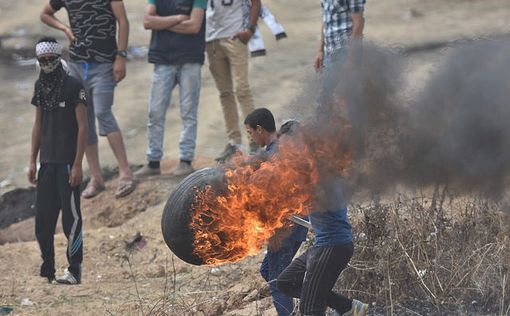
(108, 285)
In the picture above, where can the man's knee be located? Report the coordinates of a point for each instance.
(243, 90)
(107, 122)
(227, 93)
(155, 114)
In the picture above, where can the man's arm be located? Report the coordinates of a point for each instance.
(76, 171)
(357, 24)
(192, 25)
(48, 17)
(254, 12)
(245, 35)
(152, 21)
(36, 132)
(119, 66)
(319, 59)
(357, 7)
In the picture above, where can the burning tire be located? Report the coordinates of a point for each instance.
(178, 212)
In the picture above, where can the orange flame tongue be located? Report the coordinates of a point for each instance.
(237, 224)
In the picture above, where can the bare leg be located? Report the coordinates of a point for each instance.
(92, 154)
(117, 145)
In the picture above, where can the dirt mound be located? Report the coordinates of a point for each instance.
(16, 205)
(17, 209)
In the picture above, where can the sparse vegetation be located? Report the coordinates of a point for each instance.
(448, 253)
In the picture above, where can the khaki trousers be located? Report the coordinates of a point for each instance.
(228, 63)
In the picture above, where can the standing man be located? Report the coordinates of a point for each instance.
(59, 135)
(342, 22)
(177, 52)
(99, 60)
(227, 35)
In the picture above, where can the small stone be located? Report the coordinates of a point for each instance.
(26, 302)
(251, 296)
(215, 271)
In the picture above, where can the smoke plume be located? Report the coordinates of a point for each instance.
(455, 131)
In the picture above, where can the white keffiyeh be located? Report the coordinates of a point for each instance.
(48, 48)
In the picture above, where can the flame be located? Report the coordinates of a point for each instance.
(259, 198)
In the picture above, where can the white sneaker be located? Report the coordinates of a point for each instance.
(358, 309)
(68, 278)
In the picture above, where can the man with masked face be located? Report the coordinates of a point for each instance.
(59, 138)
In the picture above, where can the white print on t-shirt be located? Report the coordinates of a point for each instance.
(82, 95)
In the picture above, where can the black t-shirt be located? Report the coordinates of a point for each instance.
(173, 48)
(59, 127)
(94, 27)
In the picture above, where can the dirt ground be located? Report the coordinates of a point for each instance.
(119, 282)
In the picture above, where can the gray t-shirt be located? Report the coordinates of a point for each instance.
(224, 18)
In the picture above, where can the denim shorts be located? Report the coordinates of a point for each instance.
(97, 78)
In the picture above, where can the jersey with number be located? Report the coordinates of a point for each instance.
(224, 18)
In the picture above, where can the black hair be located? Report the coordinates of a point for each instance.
(289, 127)
(47, 39)
(262, 117)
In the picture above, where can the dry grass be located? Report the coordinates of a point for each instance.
(438, 255)
(452, 253)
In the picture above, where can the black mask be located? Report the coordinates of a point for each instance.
(48, 88)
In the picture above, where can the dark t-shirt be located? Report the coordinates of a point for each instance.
(94, 27)
(173, 48)
(331, 225)
(59, 127)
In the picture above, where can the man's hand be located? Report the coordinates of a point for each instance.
(119, 68)
(32, 170)
(76, 176)
(319, 61)
(244, 36)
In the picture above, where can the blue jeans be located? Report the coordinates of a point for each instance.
(164, 79)
(273, 264)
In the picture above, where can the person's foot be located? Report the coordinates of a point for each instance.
(358, 309)
(51, 280)
(93, 188)
(184, 168)
(227, 153)
(69, 278)
(147, 171)
(125, 187)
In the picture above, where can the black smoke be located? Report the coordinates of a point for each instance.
(454, 131)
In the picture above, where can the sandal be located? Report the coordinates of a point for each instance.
(92, 190)
(125, 187)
